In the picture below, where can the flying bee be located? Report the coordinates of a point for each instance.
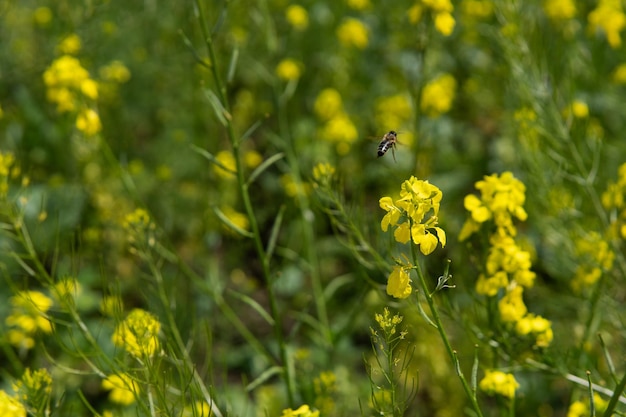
(389, 141)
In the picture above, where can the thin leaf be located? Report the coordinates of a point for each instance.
(193, 50)
(271, 243)
(221, 113)
(254, 304)
(232, 67)
(250, 131)
(230, 224)
(274, 370)
(424, 315)
(208, 155)
(607, 357)
(474, 379)
(264, 165)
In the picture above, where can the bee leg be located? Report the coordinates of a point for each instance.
(393, 152)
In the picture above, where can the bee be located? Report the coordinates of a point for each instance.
(389, 141)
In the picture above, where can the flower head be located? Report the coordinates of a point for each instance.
(353, 33)
(399, 283)
(297, 16)
(123, 389)
(288, 69)
(498, 382)
(11, 406)
(438, 95)
(138, 334)
(302, 411)
(27, 317)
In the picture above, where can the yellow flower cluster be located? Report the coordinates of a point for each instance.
(297, 16)
(139, 227)
(595, 257)
(325, 387)
(353, 33)
(581, 408)
(11, 406)
(27, 318)
(138, 334)
(34, 388)
(507, 267)
(387, 322)
(7, 161)
(438, 95)
(415, 215)
(323, 173)
(608, 17)
(560, 9)
(302, 411)
(393, 112)
(613, 199)
(123, 389)
(337, 128)
(441, 11)
(289, 69)
(527, 131)
(498, 382)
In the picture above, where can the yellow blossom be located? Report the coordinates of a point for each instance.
(288, 69)
(478, 8)
(297, 16)
(609, 18)
(252, 159)
(42, 16)
(302, 411)
(511, 306)
(138, 334)
(498, 382)
(393, 111)
(537, 326)
(399, 283)
(323, 173)
(88, 122)
(70, 45)
(560, 9)
(415, 13)
(11, 406)
(34, 388)
(197, 409)
(444, 23)
(7, 160)
(124, 389)
(237, 219)
(116, 72)
(619, 74)
(353, 33)
(438, 95)
(28, 309)
(341, 130)
(359, 4)
(578, 109)
(89, 88)
(227, 160)
(111, 305)
(328, 104)
(491, 285)
(293, 188)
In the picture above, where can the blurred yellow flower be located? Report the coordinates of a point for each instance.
(341, 131)
(560, 9)
(42, 16)
(302, 411)
(238, 219)
(393, 111)
(111, 305)
(328, 104)
(415, 13)
(323, 172)
(444, 23)
(353, 33)
(88, 122)
(291, 187)
(226, 159)
(359, 4)
(138, 334)
(297, 16)
(116, 72)
(7, 159)
(438, 95)
(34, 387)
(11, 406)
(28, 309)
(399, 283)
(619, 74)
(439, 5)
(609, 18)
(491, 285)
(70, 45)
(123, 389)
(511, 306)
(288, 69)
(252, 159)
(89, 88)
(477, 8)
(197, 409)
(497, 382)
(537, 326)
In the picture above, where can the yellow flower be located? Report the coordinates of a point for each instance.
(70, 45)
(511, 306)
(34, 388)
(328, 104)
(197, 409)
(444, 23)
(393, 111)
(89, 88)
(415, 13)
(539, 327)
(560, 9)
(236, 218)
(578, 109)
(138, 334)
(88, 122)
(497, 382)
(111, 305)
(438, 95)
(27, 317)
(116, 72)
(323, 173)
(227, 160)
(353, 33)
(399, 283)
(302, 411)
(297, 16)
(340, 130)
(124, 389)
(619, 74)
(477, 8)
(387, 322)
(288, 69)
(359, 4)
(609, 18)
(252, 159)
(491, 285)
(42, 16)
(64, 79)
(11, 406)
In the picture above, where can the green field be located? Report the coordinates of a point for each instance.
(323, 208)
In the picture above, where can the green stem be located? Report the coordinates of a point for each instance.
(245, 196)
(442, 333)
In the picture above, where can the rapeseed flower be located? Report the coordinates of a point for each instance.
(28, 309)
(237, 219)
(536, 326)
(608, 17)
(438, 95)
(138, 334)
(340, 130)
(353, 33)
(71, 45)
(88, 122)
(511, 306)
(11, 406)
(288, 69)
(393, 111)
(64, 79)
(328, 104)
(359, 4)
(297, 16)
(115, 72)
(498, 382)
(418, 209)
(399, 282)
(619, 74)
(42, 16)
(444, 23)
(581, 408)
(302, 411)
(124, 389)
(34, 389)
(477, 8)
(560, 9)
(197, 409)
(226, 160)
(490, 285)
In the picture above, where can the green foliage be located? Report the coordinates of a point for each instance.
(194, 220)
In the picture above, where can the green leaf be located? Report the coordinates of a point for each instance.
(222, 114)
(254, 304)
(271, 243)
(208, 155)
(230, 224)
(264, 165)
